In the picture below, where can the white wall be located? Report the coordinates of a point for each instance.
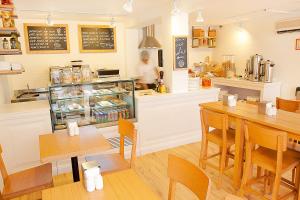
(37, 65)
(259, 36)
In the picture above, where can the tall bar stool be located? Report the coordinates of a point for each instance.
(267, 149)
(215, 129)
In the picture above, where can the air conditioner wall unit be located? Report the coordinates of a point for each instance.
(288, 26)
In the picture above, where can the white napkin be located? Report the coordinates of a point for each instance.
(73, 128)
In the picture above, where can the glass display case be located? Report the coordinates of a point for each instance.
(99, 102)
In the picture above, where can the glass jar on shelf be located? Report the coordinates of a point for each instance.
(86, 73)
(67, 75)
(56, 75)
(229, 66)
(76, 75)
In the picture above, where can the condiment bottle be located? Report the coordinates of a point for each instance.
(13, 43)
(5, 44)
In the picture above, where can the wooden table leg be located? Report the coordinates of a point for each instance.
(75, 169)
(239, 152)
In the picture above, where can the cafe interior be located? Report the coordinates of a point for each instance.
(149, 100)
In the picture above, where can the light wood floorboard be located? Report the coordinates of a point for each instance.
(152, 168)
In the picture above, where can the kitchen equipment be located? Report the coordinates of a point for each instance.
(105, 73)
(298, 93)
(149, 40)
(255, 64)
(266, 71)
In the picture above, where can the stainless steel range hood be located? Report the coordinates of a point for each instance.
(149, 41)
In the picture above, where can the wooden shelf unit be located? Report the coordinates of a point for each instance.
(7, 7)
(11, 72)
(200, 40)
(10, 52)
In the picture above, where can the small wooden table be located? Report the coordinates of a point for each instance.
(285, 121)
(58, 146)
(123, 185)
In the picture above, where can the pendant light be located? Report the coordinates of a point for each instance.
(128, 6)
(200, 18)
(175, 10)
(49, 20)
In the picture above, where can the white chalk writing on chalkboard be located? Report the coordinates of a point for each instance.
(100, 38)
(180, 52)
(47, 38)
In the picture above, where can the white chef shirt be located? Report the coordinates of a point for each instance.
(147, 73)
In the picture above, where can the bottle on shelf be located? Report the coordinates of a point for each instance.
(5, 44)
(13, 43)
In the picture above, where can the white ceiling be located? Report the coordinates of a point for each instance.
(214, 11)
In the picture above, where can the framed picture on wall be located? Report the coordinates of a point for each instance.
(180, 52)
(297, 44)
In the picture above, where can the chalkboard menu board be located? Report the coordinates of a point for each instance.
(95, 38)
(180, 53)
(40, 38)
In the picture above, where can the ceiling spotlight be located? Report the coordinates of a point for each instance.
(49, 20)
(175, 10)
(128, 6)
(200, 17)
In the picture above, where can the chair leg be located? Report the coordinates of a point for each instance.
(227, 157)
(246, 176)
(297, 182)
(172, 187)
(276, 185)
(203, 156)
(222, 166)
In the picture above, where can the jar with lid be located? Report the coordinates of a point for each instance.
(76, 75)
(56, 75)
(229, 66)
(67, 75)
(86, 73)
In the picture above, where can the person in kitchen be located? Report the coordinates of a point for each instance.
(147, 72)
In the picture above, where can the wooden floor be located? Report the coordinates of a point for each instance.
(152, 168)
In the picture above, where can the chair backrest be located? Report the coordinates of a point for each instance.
(126, 128)
(2, 167)
(211, 119)
(266, 137)
(287, 105)
(214, 119)
(184, 172)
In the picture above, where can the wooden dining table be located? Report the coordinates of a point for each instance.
(59, 146)
(285, 121)
(123, 185)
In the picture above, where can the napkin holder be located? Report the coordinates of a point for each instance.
(264, 107)
(229, 100)
(92, 177)
(73, 128)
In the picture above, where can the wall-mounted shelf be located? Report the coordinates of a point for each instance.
(10, 52)
(202, 40)
(11, 72)
(7, 7)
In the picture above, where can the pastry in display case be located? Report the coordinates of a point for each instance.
(99, 102)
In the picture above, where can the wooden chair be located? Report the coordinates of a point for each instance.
(233, 197)
(221, 135)
(115, 162)
(25, 182)
(184, 172)
(287, 105)
(267, 149)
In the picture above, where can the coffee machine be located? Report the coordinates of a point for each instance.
(259, 70)
(254, 67)
(266, 71)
